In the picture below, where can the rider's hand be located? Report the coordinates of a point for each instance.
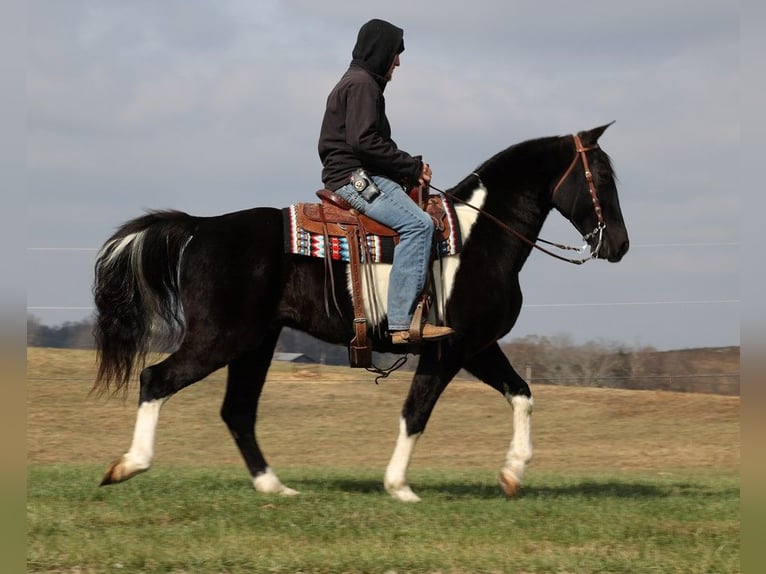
(425, 176)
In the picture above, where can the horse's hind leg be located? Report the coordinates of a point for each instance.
(158, 383)
(492, 367)
(247, 375)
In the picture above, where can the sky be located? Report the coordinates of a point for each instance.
(215, 106)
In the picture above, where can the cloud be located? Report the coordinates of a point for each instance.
(216, 106)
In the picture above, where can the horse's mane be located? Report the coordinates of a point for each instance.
(530, 155)
(513, 159)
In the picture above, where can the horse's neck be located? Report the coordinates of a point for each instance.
(523, 209)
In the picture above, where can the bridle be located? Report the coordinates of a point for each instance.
(580, 154)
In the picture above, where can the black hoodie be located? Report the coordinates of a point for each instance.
(355, 131)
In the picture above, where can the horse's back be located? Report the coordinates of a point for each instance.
(241, 237)
(232, 267)
(257, 224)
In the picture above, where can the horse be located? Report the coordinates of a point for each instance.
(221, 288)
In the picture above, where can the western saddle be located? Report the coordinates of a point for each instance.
(333, 216)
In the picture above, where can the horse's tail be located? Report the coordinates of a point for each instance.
(136, 294)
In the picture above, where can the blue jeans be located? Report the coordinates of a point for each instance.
(394, 208)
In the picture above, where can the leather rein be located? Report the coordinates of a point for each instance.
(580, 154)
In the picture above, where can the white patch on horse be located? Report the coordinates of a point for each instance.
(141, 452)
(268, 482)
(395, 480)
(115, 247)
(376, 294)
(520, 451)
(467, 217)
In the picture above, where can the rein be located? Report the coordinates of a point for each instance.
(580, 152)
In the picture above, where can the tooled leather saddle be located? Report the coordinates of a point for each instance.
(334, 219)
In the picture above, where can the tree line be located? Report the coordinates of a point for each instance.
(79, 335)
(558, 361)
(540, 360)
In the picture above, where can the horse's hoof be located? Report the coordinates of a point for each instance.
(403, 494)
(120, 471)
(268, 483)
(510, 483)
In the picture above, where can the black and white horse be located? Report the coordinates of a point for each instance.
(225, 287)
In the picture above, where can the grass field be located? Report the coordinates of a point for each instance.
(622, 481)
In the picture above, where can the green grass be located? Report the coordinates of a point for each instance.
(209, 519)
(621, 481)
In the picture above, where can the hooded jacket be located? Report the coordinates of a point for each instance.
(355, 131)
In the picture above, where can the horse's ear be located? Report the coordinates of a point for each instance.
(590, 137)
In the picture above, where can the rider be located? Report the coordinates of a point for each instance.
(364, 166)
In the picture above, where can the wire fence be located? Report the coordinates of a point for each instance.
(715, 383)
(712, 383)
(690, 245)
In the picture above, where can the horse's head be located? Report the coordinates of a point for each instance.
(586, 194)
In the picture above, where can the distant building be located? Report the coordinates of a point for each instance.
(294, 358)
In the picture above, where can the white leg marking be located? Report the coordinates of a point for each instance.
(520, 451)
(139, 457)
(269, 483)
(141, 450)
(395, 480)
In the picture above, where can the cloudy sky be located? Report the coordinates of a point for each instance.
(215, 106)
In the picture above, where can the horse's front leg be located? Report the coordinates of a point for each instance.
(430, 380)
(520, 451)
(492, 367)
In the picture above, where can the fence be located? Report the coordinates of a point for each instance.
(683, 380)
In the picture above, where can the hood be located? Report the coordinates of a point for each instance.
(377, 44)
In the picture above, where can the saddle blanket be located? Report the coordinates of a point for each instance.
(300, 241)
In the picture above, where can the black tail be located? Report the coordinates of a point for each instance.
(136, 293)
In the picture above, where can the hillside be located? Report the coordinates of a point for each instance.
(554, 361)
(343, 419)
(541, 360)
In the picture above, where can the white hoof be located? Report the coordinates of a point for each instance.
(509, 482)
(268, 483)
(288, 491)
(403, 493)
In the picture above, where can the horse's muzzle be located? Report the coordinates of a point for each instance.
(614, 255)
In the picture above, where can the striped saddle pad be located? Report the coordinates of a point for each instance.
(307, 225)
